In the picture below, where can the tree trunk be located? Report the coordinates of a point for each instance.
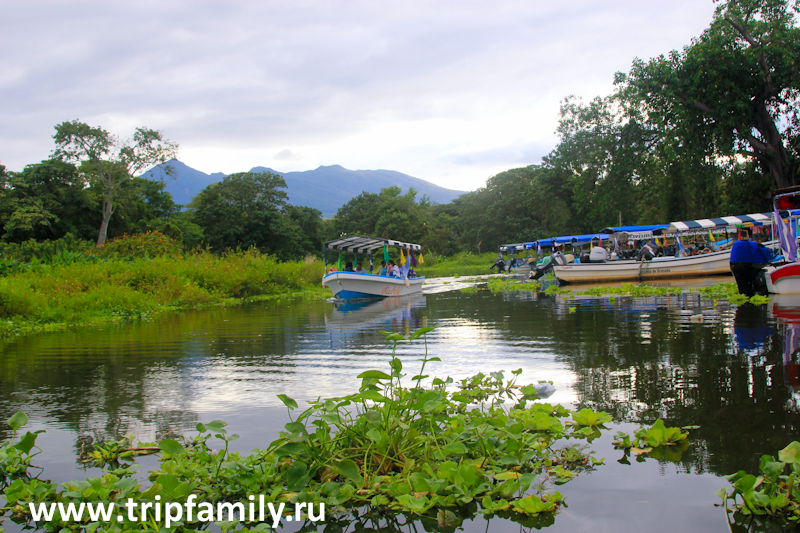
(770, 150)
(108, 210)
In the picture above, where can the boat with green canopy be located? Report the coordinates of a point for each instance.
(352, 285)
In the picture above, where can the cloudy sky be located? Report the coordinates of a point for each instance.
(451, 91)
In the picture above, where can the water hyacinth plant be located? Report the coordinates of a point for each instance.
(768, 501)
(432, 450)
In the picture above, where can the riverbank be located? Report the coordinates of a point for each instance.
(463, 264)
(53, 297)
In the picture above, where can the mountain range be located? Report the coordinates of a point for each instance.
(326, 188)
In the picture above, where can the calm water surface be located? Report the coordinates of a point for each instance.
(730, 370)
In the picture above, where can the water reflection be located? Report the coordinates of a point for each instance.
(733, 371)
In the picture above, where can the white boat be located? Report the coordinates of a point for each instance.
(352, 285)
(711, 264)
(783, 279)
(707, 264)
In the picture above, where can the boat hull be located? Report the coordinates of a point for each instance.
(783, 279)
(352, 285)
(713, 264)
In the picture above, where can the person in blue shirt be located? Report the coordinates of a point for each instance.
(383, 269)
(748, 258)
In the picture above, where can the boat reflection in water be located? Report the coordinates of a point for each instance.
(786, 310)
(354, 319)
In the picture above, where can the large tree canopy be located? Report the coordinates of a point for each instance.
(108, 162)
(734, 90)
(246, 210)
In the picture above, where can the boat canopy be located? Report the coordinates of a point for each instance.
(636, 232)
(569, 239)
(366, 245)
(517, 246)
(721, 224)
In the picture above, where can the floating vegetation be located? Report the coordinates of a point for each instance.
(720, 291)
(438, 453)
(498, 284)
(469, 290)
(658, 442)
(769, 501)
(554, 290)
(631, 289)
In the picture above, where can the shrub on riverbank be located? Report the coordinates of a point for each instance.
(89, 292)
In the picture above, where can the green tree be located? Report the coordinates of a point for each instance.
(44, 202)
(390, 214)
(733, 90)
(242, 211)
(108, 162)
(306, 223)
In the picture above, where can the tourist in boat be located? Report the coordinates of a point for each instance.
(360, 269)
(382, 271)
(348, 267)
(747, 259)
(394, 270)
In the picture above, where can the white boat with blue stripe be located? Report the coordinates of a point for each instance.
(354, 285)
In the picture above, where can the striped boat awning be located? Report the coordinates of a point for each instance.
(365, 245)
(754, 219)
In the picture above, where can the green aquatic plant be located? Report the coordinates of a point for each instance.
(498, 284)
(630, 289)
(435, 450)
(469, 290)
(554, 290)
(770, 500)
(657, 442)
(15, 454)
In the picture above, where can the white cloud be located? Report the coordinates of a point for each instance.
(448, 91)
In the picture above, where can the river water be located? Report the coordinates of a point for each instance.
(732, 371)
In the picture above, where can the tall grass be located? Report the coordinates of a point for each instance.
(53, 296)
(462, 264)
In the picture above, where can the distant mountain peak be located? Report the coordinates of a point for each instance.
(327, 188)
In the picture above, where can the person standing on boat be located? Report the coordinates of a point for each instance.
(747, 259)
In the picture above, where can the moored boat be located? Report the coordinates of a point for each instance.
(352, 285)
(651, 267)
(776, 278)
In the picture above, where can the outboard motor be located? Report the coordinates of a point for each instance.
(547, 265)
(648, 252)
(598, 255)
(748, 260)
(499, 264)
(559, 259)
